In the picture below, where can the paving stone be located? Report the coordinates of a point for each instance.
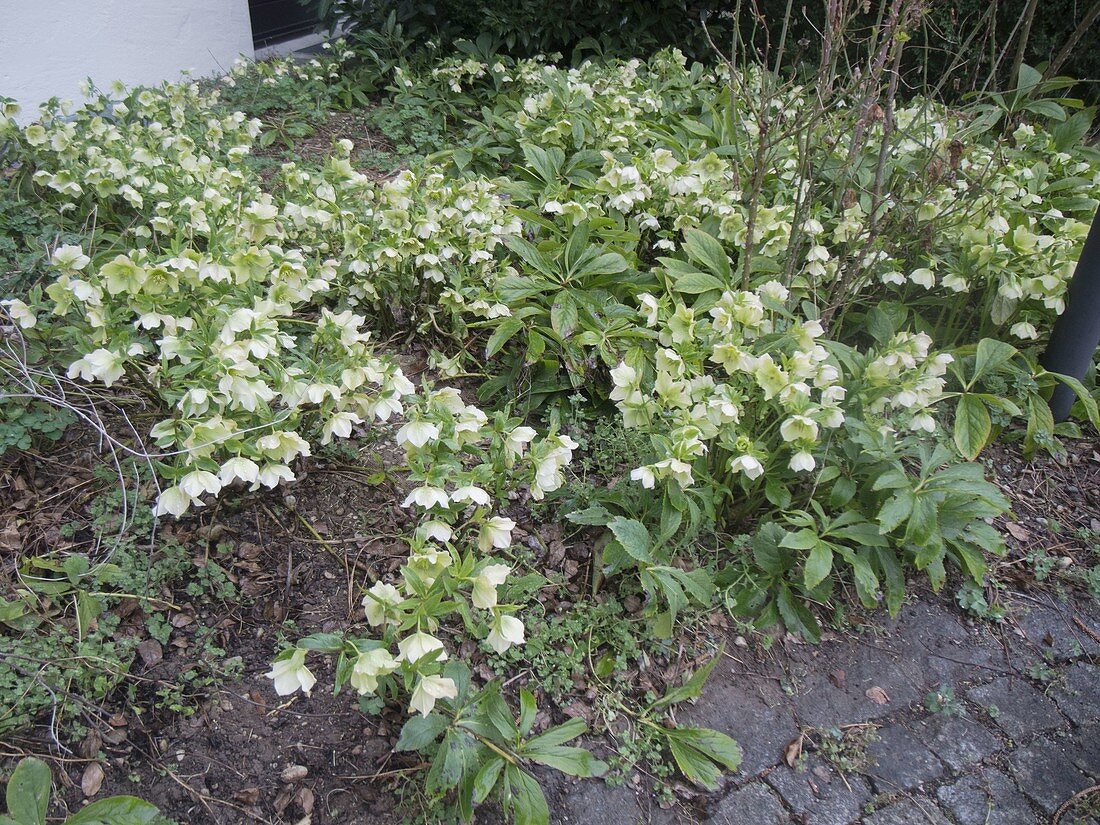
(819, 795)
(1022, 709)
(1052, 630)
(1045, 772)
(755, 804)
(902, 761)
(1084, 750)
(958, 741)
(836, 678)
(736, 708)
(917, 810)
(1078, 693)
(595, 803)
(988, 797)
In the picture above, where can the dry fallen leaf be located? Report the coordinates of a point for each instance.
(305, 800)
(837, 678)
(247, 796)
(793, 752)
(150, 651)
(877, 695)
(1018, 531)
(92, 779)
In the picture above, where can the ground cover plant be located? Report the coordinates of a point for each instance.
(780, 318)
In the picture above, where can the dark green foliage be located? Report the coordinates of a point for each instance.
(529, 27)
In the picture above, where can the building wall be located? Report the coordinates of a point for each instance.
(47, 47)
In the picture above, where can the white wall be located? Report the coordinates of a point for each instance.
(47, 47)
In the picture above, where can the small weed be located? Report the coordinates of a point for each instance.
(971, 598)
(942, 700)
(845, 748)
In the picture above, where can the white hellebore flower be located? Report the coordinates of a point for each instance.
(644, 475)
(240, 467)
(426, 497)
(197, 482)
(20, 313)
(173, 501)
(428, 690)
(438, 530)
(415, 647)
(802, 462)
(291, 673)
(69, 258)
(747, 464)
(485, 585)
(471, 493)
(377, 602)
(505, 632)
(103, 364)
(368, 667)
(495, 532)
(417, 433)
(923, 277)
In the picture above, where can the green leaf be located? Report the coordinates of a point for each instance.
(568, 760)
(991, 356)
(973, 426)
(1047, 108)
(502, 335)
(528, 802)
(633, 537)
(714, 744)
(1072, 130)
(694, 764)
(692, 688)
(117, 810)
(1084, 397)
(818, 565)
(609, 263)
(705, 250)
(1027, 80)
(804, 539)
(564, 314)
(28, 794)
(777, 492)
(421, 731)
(596, 516)
(325, 642)
(486, 779)
(923, 528)
(696, 283)
(527, 711)
(796, 616)
(565, 732)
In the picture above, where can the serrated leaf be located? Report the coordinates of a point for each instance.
(559, 735)
(569, 760)
(695, 765)
(421, 731)
(633, 537)
(502, 335)
(973, 426)
(818, 565)
(715, 745)
(564, 315)
(705, 250)
(528, 801)
(696, 283)
(991, 355)
(486, 779)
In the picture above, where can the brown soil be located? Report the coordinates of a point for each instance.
(245, 755)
